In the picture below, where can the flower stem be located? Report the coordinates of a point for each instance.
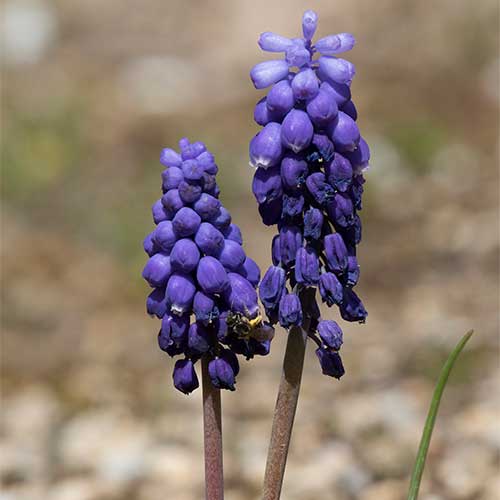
(286, 406)
(212, 428)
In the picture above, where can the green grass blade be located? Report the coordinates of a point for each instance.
(418, 468)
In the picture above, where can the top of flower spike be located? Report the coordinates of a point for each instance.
(300, 52)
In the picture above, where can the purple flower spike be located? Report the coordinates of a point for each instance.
(344, 133)
(272, 42)
(186, 222)
(172, 202)
(268, 72)
(265, 148)
(336, 253)
(335, 44)
(251, 271)
(164, 236)
(189, 192)
(157, 270)
(204, 308)
(184, 256)
(305, 85)
(330, 289)
(336, 69)
(280, 99)
(266, 185)
(352, 309)
(331, 362)
(339, 172)
(232, 255)
(171, 178)
(180, 292)
(293, 172)
(233, 233)
(322, 109)
(156, 303)
(159, 212)
(306, 267)
(309, 24)
(290, 310)
(272, 287)
(296, 131)
(211, 276)
(185, 379)
(198, 339)
(207, 207)
(313, 223)
(290, 242)
(241, 296)
(223, 370)
(330, 334)
(170, 158)
(209, 239)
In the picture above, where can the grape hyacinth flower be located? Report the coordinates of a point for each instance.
(309, 159)
(204, 285)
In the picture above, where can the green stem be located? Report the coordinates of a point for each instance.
(418, 468)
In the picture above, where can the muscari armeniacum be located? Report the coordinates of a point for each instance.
(204, 286)
(309, 159)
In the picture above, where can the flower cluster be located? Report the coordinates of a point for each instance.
(309, 158)
(204, 284)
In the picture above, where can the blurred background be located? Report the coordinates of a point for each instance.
(92, 91)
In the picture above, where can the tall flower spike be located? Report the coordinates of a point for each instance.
(310, 159)
(204, 285)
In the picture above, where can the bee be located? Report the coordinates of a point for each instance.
(246, 328)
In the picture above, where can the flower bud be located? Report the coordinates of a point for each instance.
(331, 362)
(344, 133)
(171, 178)
(360, 157)
(306, 267)
(184, 256)
(241, 296)
(272, 287)
(207, 207)
(297, 54)
(351, 308)
(262, 115)
(232, 255)
(293, 205)
(159, 212)
(185, 378)
(313, 224)
(268, 72)
(336, 253)
(337, 69)
(339, 172)
(192, 170)
(223, 219)
(330, 289)
(186, 222)
(172, 202)
(204, 308)
(189, 192)
(198, 339)
(309, 24)
(180, 292)
(211, 276)
(290, 242)
(189, 151)
(330, 334)
(296, 130)
(272, 42)
(341, 210)
(335, 44)
(250, 270)
(157, 270)
(280, 99)
(322, 109)
(320, 190)
(290, 310)
(305, 85)
(350, 109)
(209, 239)
(266, 149)
(164, 236)
(156, 303)
(170, 158)
(341, 93)
(233, 233)
(293, 172)
(149, 245)
(266, 185)
(223, 370)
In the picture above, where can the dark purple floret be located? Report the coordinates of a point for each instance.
(185, 378)
(223, 370)
(310, 157)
